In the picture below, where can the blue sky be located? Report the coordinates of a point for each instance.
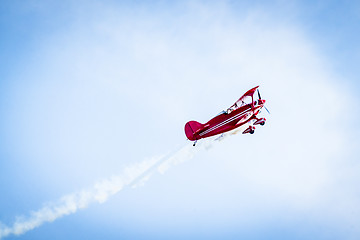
(94, 92)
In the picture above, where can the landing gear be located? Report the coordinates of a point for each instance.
(250, 129)
(260, 121)
(195, 143)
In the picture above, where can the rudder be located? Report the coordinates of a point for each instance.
(190, 128)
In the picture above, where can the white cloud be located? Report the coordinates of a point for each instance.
(136, 79)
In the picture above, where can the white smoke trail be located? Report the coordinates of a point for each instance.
(132, 176)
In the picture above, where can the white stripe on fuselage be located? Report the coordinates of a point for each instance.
(224, 122)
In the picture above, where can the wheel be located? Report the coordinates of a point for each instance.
(262, 124)
(252, 132)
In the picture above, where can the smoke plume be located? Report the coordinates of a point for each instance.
(132, 176)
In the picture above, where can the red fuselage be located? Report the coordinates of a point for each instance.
(225, 121)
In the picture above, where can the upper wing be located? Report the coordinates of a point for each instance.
(247, 98)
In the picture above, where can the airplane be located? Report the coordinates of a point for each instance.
(244, 110)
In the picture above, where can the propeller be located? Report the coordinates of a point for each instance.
(266, 109)
(258, 93)
(260, 98)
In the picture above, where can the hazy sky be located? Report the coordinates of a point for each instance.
(92, 93)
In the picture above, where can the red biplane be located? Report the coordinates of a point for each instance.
(244, 110)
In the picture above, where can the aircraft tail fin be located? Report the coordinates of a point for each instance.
(191, 128)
